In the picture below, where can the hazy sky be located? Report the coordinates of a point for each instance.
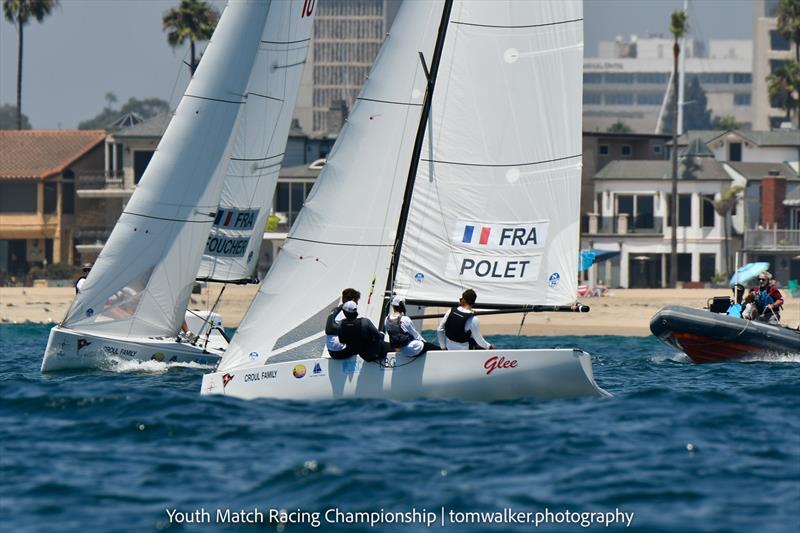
(88, 48)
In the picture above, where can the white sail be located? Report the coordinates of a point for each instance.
(496, 198)
(142, 280)
(345, 232)
(232, 248)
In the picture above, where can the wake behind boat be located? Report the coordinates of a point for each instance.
(708, 337)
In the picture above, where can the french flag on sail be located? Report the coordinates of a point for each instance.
(482, 234)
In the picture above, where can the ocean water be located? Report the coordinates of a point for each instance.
(684, 447)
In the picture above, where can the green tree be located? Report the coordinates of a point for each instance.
(696, 115)
(8, 118)
(678, 27)
(784, 86)
(147, 108)
(19, 13)
(619, 127)
(192, 20)
(727, 123)
(724, 206)
(789, 23)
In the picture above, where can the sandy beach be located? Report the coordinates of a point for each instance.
(622, 312)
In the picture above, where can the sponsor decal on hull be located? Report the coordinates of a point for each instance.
(317, 371)
(114, 350)
(259, 376)
(83, 343)
(496, 363)
(227, 378)
(299, 371)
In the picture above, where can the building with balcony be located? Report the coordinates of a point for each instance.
(631, 217)
(775, 146)
(39, 172)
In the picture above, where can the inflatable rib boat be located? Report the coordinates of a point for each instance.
(708, 337)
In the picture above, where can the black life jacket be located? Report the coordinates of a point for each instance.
(455, 325)
(330, 324)
(397, 336)
(356, 334)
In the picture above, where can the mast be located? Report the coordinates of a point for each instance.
(415, 155)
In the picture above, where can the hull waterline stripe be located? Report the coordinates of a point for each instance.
(235, 102)
(340, 243)
(514, 27)
(389, 102)
(464, 163)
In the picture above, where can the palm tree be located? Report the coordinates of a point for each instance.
(194, 20)
(619, 127)
(724, 206)
(784, 84)
(19, 13)
(789, 23)
(678, 26)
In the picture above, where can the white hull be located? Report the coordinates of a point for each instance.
(464, 375)
(70, 350)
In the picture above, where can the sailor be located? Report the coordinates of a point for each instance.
(460, 329)
(359, 335)
(403, 337)
(768, 299)
(87, 267)
(337, 349)
(736, 308)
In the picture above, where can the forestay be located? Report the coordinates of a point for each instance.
(345, 232)
(142, 280)
(495, 204)
(232, 249)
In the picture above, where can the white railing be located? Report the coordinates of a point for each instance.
(772, 239)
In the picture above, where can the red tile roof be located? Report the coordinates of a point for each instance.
(39, 154)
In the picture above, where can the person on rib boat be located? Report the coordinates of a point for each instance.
(736, 308)
(768, 299)
(403, 337)
(359, 335)
(336, 348)
(460, 328)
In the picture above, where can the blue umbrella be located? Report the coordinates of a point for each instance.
(747, 272)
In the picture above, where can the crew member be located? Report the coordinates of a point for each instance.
(87, 267)
(336, 348)
(403, 337)
(768, 299)
(359, 335)
(460, 329)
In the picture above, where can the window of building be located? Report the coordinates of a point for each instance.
(626, 150)
(742, 77)
(734, 151)
(741, 99)
(707, 211)
(50, 197)
(602, 149)
(775, 122)
(684, 210)
(771, 8)
(658, 149)
(619, 77)
(708, 267)
(68, 198)
(684, 267)
(649, 99)
(619, 99)
(592, 98)
(289, 198)
(18, 197)
(141, 158)
(639, 208)
(714, 77)
(652, 77)
(592, 77)
(778, 41)
(775, 64)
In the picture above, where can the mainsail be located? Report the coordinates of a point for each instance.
(495, 204)
(232, 249)
(494, 189)
(142, 280)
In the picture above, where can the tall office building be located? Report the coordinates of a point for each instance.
(770, 51)
(347, 37)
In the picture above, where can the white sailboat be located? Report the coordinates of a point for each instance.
(209, 182)
(461, 158)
